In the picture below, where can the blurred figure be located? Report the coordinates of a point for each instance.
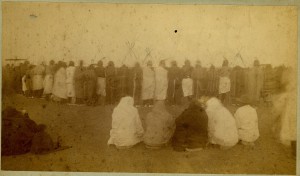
(37, 80)
(91, 83)
(70, 81)
(28, 81)
(198, 76)
(59, 91)
(127, 129)
(101, 83)
(136, 79)
(148, 84)
(187, 82)
(255, 82)
(285, 111)
(111, 87)
(79, 83)
(123, 81)
(48, 81)
(224, 81)
(174, 84)
(212, 81)
(161, 81)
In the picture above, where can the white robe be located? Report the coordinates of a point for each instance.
(148, 84)
(187, 87)
(285, 105)
(247, 123)
(70, 81)
(224, 85)
(101, 86)
(127, 127)
(222, 128)
(24, 87)
(60, 86)
(37, 78)
(161, 83)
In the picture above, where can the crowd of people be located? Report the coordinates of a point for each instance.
(206, 122)
(213, 125)
(206, 89)
(99, 85)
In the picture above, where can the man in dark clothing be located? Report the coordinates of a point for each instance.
(174, 84)
(111, 88)
(90, 85)
(198, 76)
(79, 83)
(123, 80)
(101, 85)
(135, 83)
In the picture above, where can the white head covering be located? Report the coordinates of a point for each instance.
(126, 102)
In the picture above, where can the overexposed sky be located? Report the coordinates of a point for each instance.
(90, 31)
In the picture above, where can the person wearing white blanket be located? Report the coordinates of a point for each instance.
(161, 82)
(222, 128)
(247, 124)
(127, 129)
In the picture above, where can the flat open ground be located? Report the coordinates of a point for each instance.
(86, 129)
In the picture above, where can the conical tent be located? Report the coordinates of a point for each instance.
(130, 58)
(148, 56)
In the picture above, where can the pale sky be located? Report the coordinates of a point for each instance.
(90, 31)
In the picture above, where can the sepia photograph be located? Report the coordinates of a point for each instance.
(160, 88)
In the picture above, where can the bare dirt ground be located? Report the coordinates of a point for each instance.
(86, 129)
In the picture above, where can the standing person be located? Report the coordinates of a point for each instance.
(38, 80)
(79, 83)
(187, 82)
(161, 81)
(71, 82)
(17, 79)
(123, 79)
(91, 83)
(48, 81)
(28, 82)
(136, 79)
(237, 77)
(23, 70)
(111, 74)
(101, 83)
(255, 82)
(285, 109)
(212, 81)
(148, 84)
(224, 81)
(59, 91)
(198, 76)
(174, 85)
(127, 129)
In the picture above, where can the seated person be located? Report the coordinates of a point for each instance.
(247, 123)
(191, 129)
(127, 129)
(160, 126)
(222, 128)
